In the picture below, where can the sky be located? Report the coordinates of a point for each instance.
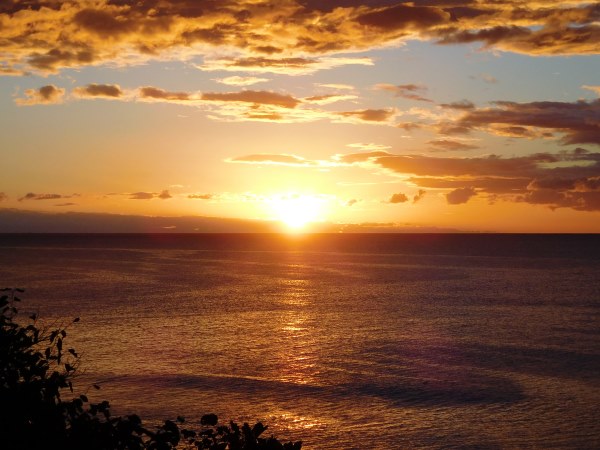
(306, 115)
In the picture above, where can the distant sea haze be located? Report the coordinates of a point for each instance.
(344, 341)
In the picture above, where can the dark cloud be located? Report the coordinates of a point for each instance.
(351, 202)
(65, 204)
(54, 59)
(163, 195)
(407, 91)
(32, 196)
(461, 105)
(404, 17)
(99, 90)
(564, 179)
(104, 23)
(398, 198)
(3, 197)
(460, 195)
(579, 121)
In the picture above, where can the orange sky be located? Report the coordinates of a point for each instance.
(340, 115)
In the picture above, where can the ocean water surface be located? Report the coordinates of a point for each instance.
(342, 341)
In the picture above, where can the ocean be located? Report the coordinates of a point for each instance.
(380, 341)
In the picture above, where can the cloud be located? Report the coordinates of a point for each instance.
(595, 89)
(65, 204)
(327, 99)
(141, 196)
(283, 36)
(256, 97)
(46, 95)
(579, 121)
(240, 81)
(108, 91)
(461, 105)
(485, 77)
(200, 196)
(368, 146)
(419, 195)
(351, 202)
(3, 197)
(163, 195)
(369, 115)
(343, 87)
(282, 66)
(403, 18)
(153, 93)
(460, 195)
(398, 198)
(450, 145)
(407, 91)
(275, 159)
(33, 196)
(563, 179)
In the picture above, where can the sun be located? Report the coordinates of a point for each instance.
(297, 211)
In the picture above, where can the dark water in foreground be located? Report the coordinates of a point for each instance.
(343, 341)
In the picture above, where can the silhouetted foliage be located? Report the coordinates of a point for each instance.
(36, 373)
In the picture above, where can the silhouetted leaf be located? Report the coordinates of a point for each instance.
(209, 419)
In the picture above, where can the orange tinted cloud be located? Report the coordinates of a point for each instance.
(258, 97)
(275, 159)
(460, 195)
(99, 90)
(564, 179)
(450, 145)
(46, 95)
(153, 93)
(369, 115)
(398, 198)
(163, 195)
(278, 36)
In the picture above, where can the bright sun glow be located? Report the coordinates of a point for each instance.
(296, 211)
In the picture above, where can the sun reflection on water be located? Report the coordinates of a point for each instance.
(299, 354)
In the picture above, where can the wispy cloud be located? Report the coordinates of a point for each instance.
(236, 80)
(407, 91)
(449, 145)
